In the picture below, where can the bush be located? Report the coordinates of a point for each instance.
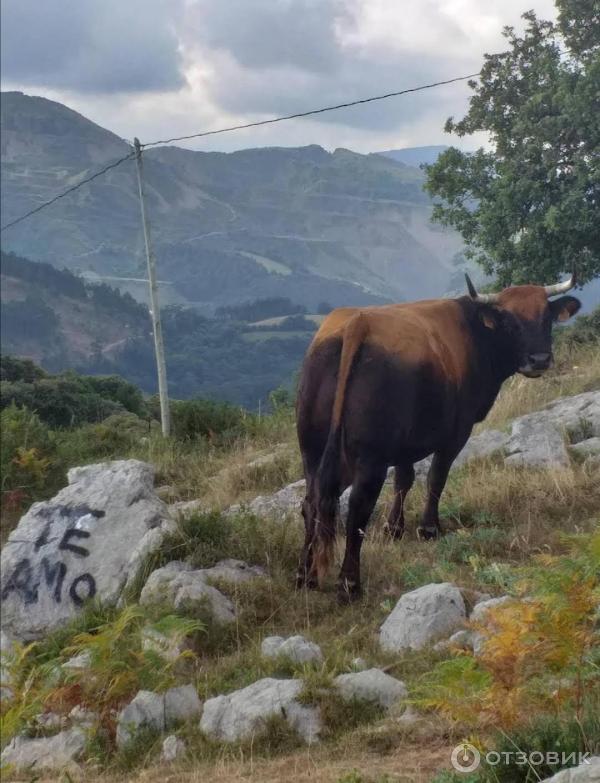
(26, 457)
(207, 419)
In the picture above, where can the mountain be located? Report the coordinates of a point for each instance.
(227, 227)
(415, 156)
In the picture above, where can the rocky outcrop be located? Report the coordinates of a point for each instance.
(423, 616)
(179, 586)
(295, 648)
(52, 753)
(157, 711)
(173, 748)
(371, 685)
(89, 541)
(586, 772)
(243, 713)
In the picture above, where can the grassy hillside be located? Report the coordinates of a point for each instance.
(507, 531)
(348, 228)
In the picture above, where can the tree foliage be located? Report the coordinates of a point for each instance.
(528, 207)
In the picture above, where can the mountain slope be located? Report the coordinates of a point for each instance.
(338, 226)
(416, 156)
(62, 323)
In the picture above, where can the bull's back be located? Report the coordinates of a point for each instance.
(405, 381)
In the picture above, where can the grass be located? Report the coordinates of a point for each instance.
(497, 520)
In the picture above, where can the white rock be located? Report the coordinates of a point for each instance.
(586, 772)
(173, 748)
(50, 720)
(371, 685)
(186, 508)
(88, 541)
(587, 448)
(235, 571)
(78, 662)
(7, 651)
(146, 710)
(484, 444)
(423, 616)
(158, 711)
(295, 648)
(580, 413)
(57, 752)
(83, 717)
(463, 639)
(281, 503)
(536, 442)
(181, 704)
(241, 714)
(170, 647)
(184, 589)
(482, 607)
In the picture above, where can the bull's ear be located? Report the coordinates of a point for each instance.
(490, 317)
(562, 309)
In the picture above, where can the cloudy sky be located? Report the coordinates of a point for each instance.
(160, 68)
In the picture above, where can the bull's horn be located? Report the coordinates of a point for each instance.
(487, 298)
(562, 288)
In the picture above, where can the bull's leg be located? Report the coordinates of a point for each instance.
(404, 476)
(436, 481)
(305, 576)
(365, 491)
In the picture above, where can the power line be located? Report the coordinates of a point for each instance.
(311, 112)
(234, 128)
(66, 192)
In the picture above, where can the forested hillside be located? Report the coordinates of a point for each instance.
(62, 322)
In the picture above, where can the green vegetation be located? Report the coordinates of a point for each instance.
(528, 208)
(65, 322)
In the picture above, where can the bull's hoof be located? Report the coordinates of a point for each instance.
(429, 533)
(348, 592)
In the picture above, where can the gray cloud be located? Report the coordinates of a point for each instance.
(90, 46)
(262, 33)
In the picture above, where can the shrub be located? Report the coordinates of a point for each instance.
(26, 454)
(537, 655)
(207, 419)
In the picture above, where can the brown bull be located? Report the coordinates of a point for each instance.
(388, 386)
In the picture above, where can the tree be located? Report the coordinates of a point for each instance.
(528, 207)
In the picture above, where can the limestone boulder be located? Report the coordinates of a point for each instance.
(50, 753)
(294, 648)
(173, 748)
(371, 685)
(243, 713)
(89, 541)
(235, 571)
(157, 711)
(180, 587)
(422, 617)
(586, 772)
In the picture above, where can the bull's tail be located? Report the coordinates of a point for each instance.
(328, 474)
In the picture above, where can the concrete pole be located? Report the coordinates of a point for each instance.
(163, 393)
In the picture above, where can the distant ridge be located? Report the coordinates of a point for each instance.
(415, 156)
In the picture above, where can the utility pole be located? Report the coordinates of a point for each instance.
(163, 393)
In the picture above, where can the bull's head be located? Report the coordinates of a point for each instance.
(532, 314)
